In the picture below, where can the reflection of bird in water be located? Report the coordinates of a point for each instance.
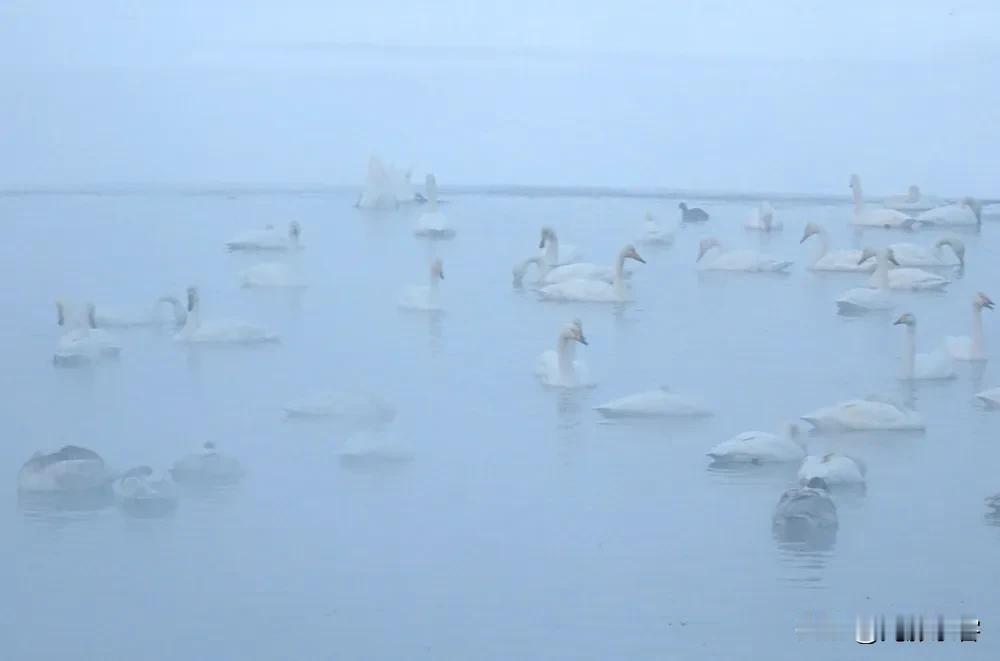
(806, 515)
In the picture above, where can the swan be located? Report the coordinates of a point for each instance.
(991, 398)
(869, 414)
(693, 215)
(351, 407)
(655, 235)
(971, 348)
(553, 252)
(762, 218)
(268, 238)
(658, 402)
(386, 187)
(834, 469)
(559, 368)
(911, 279)
(69, 469)
(432, 223)
(106, 316)
(922, 366)
(424, 297)
(805, 513)
(912, 254)
(759, 447)
(374, 447)
(834, 260)
(967, 212)
(207, 467)
(861, 300)
(913, 201)
(887, 218)
(83, 345)
(219, 331)
(736, 260)
(271, 275)
(521, 269)
(140, 493)
(592, 290)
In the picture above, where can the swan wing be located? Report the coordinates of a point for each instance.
(580, 289)
(936, 365)
(655, 402)
(883, 218)
(843, 260)
(864, 299)
(917, 279)
(959, 347)
(950, 214)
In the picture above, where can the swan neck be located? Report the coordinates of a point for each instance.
(909, 352)
(193, 320)
(978, 345)
(551, 250)
(566, 353)
(619, 272)
(858, 199)
(882, 271)
(824, 245)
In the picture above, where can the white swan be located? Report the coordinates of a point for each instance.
(432, 223)
(271, 275)
(922, 366)
(901, 278)
(965, 213)
(360, 408)
(869, 414)
(140, 493)
(990, 397)
(912, 254)
(386, 187)
(267, 239)
(85, 344)
(760, 447)
(592, 290)
(655, 235)
(834, 260)
(196, 331)
(834, 469)
(971, 348)
(207, 467)
(762, 218)
(424, 298)
(555, 253)
(658, 402)
(559, 368)
(913, 201)
(861, 300)
(70, 469)
(520, 270)
(887, 218)
(711, 257)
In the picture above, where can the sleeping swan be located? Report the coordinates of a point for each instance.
(433, 224)
(655, 235)
(760, 447)
(591, 290)
(971, 348)
(968, 212)
(70, 469)
(834, 260)
(166, 311)
(936, 365)
(424, 298)
(559, 368)
(658, 402)
(710, 250)
(806, 514)
(887, 218)
(355, 408)
(267, 239)
(218, 332)
(870, 414)
(834, 469)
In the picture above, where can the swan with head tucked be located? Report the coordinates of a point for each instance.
(272, 275)
(555, 253)
(912, 201)
(207, 467)
(432, 223)
(974, 347)
(907, 278)
(806, 514)
(835, 260)
(70, 469)
(922, 366)
(424, 298)
(834, 469)
(592, 290)
(760, 447)
(873, 413)
(655, 235)
(861, 300)
(887, 218)
(658, 402)
(560, 368)
(85, 344)
(196, 331)
(711, 257)
(267, 239)
(912, 254)
(967, 212)
(762, 218)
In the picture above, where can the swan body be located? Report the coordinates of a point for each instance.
(70, 469)
(692, 215)
(351, 407)
(835, 260)
(658, 402)
(559, 368)
(386, 187)
(84, 345)
(912, 202)
(218, 331)
(759, 447)
(886, 218)
(208, 467)
(373, 447)
(912, 279)
(580, 270)
(268, 275)
(655, 235)
(861, 300)
(424, 298)
(433, 224)
(834, 469)
(966, 213)
(966, 347)
(267, 239)
(712, 258)
(141, 494)
(762, 218)
(871, 414)
(555, 253)
(923, 366)
(912, 254)
(990, 397)
(805, 513)
(591, 290)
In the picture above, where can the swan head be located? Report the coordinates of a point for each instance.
(61, 313)
(294, 230)
(706, 245)
(209, 446)
(913, 193)
(192, 298)
(437, 270)
(91, 316)
(906, 319)
(521, 269)
(548, 234)
(855, 182)
(975, 205)
(982, 301)
(683, 206)
(811, 229)
(574, 332)
(629, 252)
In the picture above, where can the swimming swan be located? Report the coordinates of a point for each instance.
(760, 447)
(658, 402)
(971, 348)
(715, 259)
(433, 224)
(141, 494)
(70, 469)
(887, 218)
(912, 254)
(593, 290)
(834, 260)
(83, 345)
(937, 365)
(692, 215)
(521, 269)
(218, 332)
(912, 201)
(861, 300)
(967, 212)
(901, 278)
(559, 368)
(806, 514)
(762, 218)
(267, 239)
(870, 414)
(555, 253)
(424, 298)
(207, 467)
(655, 235)
(834, 469)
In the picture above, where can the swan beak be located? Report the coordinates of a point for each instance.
(441, 274)
(892, 260)
(988, 304)
(637, 258)
(701, 253)
(582, 340)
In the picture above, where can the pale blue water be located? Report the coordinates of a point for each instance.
(524, 527)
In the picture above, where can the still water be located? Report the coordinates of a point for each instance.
(524, 526)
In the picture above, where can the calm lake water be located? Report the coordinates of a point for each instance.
(525, 526)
